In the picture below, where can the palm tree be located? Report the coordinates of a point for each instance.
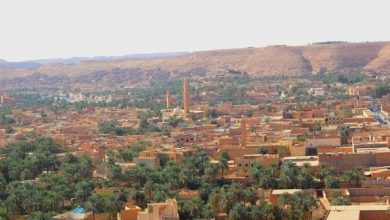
(148, 189)
(224, 201)
(284, 199)
(236, 193)
(82, 191)
(336, 198)
(223, 161)
(250, 195)
(256, 213)
(95, 204)
(270, 179)
(223, 165)
(4, 213)
(306, 179)
(348, 176)
(193, 207)
(355, 175)
(184, 177)
(331, 182)
(257, 173)
(112, 205)
(238, 212)
(289, 176)
(122, 195)
(263, 211)
(170, 174)
(325, 170)
(202, 160)
(210, 172)
(214, 200)
(40, 216)
(300, 204)
(358, 174)
(190, 164)
(344, 133)
(317, 127)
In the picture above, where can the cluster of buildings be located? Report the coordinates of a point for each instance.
(80, 97)
(342, 134)
(272, 133)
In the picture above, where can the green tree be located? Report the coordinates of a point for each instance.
(306, 179)
(355, 175)
(40, 216)
(336, 198)
(9, 130)
(211, 172)
(95, 204)
(238, 212)
(174, 121)
(300, 204)
(224, 202)
(331, 182)
(4, 215)
(344, 133)
(325, 171)
(317, 127)
(382, 88)
(223, 161)
(265, 177)
(114, 170)
(257, 173)
(262, 211)
(83, 190)
(289, 176)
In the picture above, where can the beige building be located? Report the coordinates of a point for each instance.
(148, 157)
(333, 119)
(167, 210)
(323, 141)
(245, 163)
(359, 212)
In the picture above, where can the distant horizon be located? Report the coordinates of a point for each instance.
(47, 29)
(172, 53)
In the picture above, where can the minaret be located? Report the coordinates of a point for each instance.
(186, 98)
(243, 133)
(169, 100)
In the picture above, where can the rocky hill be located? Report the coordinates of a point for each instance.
(271, 60)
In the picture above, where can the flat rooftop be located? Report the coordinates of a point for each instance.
(352, 212)
(282, 191)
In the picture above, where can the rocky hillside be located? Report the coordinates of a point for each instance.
(271, 60)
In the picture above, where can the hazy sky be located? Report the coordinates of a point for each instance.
(32, 29)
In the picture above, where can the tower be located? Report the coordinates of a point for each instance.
(169, 100)
(186, 98)
(243, 133)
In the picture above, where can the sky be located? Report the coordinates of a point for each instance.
(40, 29)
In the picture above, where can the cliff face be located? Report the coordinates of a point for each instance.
(340, 57)
(272, 60)
(382, 61)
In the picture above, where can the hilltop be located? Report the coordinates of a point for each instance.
(265, 61)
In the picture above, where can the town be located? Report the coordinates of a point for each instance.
(224, 146)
